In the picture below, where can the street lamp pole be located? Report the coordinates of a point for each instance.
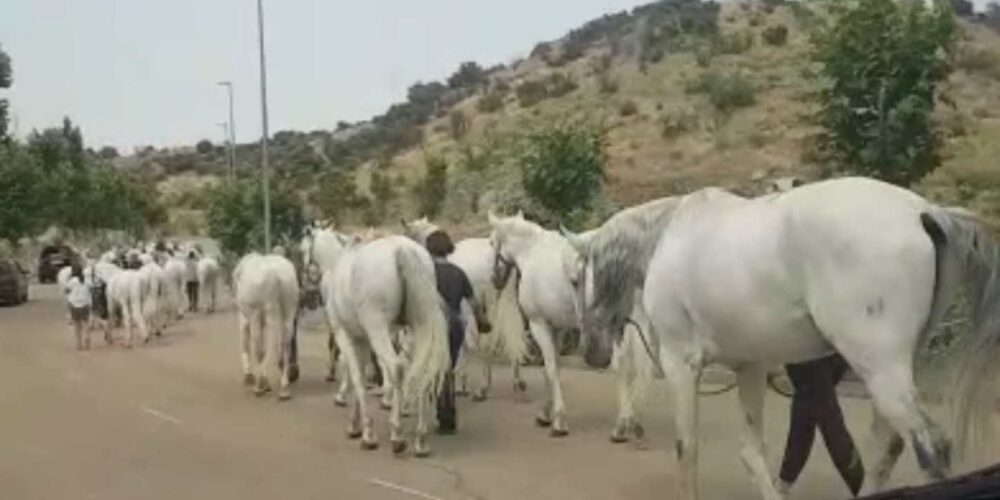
(265, 174)
(231, 135)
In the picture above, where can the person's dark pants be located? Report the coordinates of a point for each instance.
(192, 293)
(446, 411)
(814, 405)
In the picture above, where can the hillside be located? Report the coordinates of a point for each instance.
(640, 74)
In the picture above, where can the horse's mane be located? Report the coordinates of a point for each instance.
(622, 247)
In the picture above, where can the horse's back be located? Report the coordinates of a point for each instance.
(475, 256)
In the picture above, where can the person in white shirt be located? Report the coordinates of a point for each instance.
(79, 300)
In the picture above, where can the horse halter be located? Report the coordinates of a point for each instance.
(502, 269)
(312, 271)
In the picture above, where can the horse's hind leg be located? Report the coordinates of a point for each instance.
(354, 353)
(287, 332)
(751, 380)
(554, 411)
(893, 393)
(683, 376)
(392, 375)
(248, 378)
(888, 445)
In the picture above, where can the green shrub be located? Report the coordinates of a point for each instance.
(776, 35)
(530, 92)
(703, 56)
(433, 188)
(734, 43)
(234, 217)
(727, 92)
(676, 122)
(491, 102)
(458, 123)
(628, 108)
(559, 84)
(606, 84)
(562, 168)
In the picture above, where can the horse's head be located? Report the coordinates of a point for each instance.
(602, 315)
(418, 230)
(510, 237)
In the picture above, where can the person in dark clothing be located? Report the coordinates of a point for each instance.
(454, 287)
(815, 405)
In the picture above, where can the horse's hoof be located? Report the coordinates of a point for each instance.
(284, 395)
(398, 447)
(638, 431)
(422, 453)
(331, 377)
(558, 433)
(369, 445)
(479, 396)
(385, 406)
(352, 435)
(618, 436)
(542, 422)
(293, 373)
(520, 386)
(339, 401)
(248, 379)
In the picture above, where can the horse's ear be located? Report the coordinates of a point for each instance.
(344, 240)
(579, 244)
(492, 218)
(520, 214)
(406, 226)
(370, 235)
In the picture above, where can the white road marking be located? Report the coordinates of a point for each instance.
(402, 489)
(160, 415)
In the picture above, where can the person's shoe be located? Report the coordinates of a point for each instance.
(446, 430)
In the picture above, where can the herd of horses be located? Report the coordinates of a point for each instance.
(660, 290)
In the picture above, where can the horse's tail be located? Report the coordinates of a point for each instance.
(509, 321)
(968, 255)
(424, 314)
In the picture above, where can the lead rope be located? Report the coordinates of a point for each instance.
(659, 367)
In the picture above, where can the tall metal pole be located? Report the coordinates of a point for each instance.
(232, 131)
(263, 139)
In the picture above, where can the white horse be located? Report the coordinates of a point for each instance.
(208, 281)
(321, 249)
(850, 265)
(155, 294)
(267, 296)
(476, 257)
(546, 261)
(125, 294)
(372, 287)
(175, 270)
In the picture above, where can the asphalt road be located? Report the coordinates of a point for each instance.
(171, 420)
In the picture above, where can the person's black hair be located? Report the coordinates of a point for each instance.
(439, 244)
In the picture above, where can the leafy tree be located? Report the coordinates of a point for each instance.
(562, 168)
(433, 188)
(469, 74)
(20, 194)
(235, 218)
(336, 195)
(204, 146)
(883, 60)
(5, 83)
(426, 93)
(108, 153)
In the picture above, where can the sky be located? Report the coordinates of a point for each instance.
(143, 72)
